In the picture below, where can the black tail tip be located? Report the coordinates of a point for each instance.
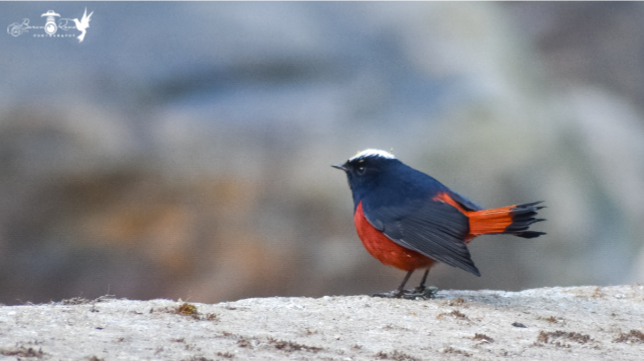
(529, 234)
(531, 205)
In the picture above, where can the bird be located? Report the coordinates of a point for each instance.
(409, 220)
(83, 24)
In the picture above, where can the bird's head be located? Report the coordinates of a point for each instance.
(366, 169)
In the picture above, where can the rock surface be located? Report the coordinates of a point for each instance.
(589, 323)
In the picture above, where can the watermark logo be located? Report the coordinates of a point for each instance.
(52, 25)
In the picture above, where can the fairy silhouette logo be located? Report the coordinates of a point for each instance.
(52, 25)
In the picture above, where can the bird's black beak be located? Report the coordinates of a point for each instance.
(339, 166)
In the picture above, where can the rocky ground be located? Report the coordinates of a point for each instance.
(589, 323)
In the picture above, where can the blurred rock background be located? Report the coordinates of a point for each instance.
(183, 149)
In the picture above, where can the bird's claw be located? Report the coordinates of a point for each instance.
(391, 294)
(423, 293)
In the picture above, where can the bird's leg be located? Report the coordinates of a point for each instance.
(421, 291)
(421, 287)
(399, 292)
(401, 289)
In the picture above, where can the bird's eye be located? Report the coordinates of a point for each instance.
(361, 170)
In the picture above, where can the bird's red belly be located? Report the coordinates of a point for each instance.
(386, 250)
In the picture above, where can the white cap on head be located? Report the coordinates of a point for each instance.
(372, 153)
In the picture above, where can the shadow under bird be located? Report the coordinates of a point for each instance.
(409, 220)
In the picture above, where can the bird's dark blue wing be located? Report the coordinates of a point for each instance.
(430, 227)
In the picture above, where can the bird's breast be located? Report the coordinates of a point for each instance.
(384, 249)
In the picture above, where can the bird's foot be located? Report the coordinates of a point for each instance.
(391, 294)
(423, 293)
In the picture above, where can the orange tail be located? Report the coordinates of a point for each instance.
(513, 220)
